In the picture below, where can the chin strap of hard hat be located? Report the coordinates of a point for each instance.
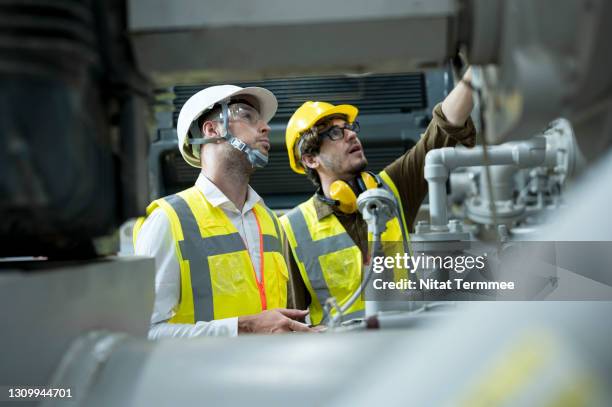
(255, 157)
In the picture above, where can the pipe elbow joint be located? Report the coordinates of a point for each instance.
(434, 157)
(436, 164)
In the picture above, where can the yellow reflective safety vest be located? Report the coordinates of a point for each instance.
(329, 261)
(217, 277)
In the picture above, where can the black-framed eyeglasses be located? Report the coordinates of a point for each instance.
(337, 132)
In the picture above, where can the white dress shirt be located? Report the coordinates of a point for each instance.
(155, 240)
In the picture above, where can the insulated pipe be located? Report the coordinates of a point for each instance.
(439, 163)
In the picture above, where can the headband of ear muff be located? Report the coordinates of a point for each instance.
(342, 195)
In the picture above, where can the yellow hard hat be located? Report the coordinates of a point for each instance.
(304, 118)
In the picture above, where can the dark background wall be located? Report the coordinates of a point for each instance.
(394, 109)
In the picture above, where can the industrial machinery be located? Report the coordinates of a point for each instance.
(74, 133)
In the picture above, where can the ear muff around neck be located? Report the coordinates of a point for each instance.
(341, 192)
(370, 180)
(344, 197)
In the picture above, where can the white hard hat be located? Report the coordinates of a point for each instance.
(205, 99)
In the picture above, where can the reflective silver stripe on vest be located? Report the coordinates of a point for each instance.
(308, 251)
(400, 218)
(196, 250)
(271, 243)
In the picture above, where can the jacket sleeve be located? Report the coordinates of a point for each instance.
(218, 327)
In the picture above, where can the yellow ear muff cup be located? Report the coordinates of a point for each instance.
(342, 192)
(369, 180)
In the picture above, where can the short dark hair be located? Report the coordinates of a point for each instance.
(208, 115)
(310, 143)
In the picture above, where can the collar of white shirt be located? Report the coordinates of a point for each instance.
(218, 199)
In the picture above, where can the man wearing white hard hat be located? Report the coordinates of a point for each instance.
(217, 247)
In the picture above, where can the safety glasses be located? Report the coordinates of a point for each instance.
(337, 132)
(242, 112)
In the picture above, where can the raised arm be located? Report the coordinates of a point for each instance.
(458, 104)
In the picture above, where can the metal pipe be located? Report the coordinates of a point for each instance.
(377, 207)
(439, 163)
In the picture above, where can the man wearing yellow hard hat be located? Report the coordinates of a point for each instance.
(326, 235)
